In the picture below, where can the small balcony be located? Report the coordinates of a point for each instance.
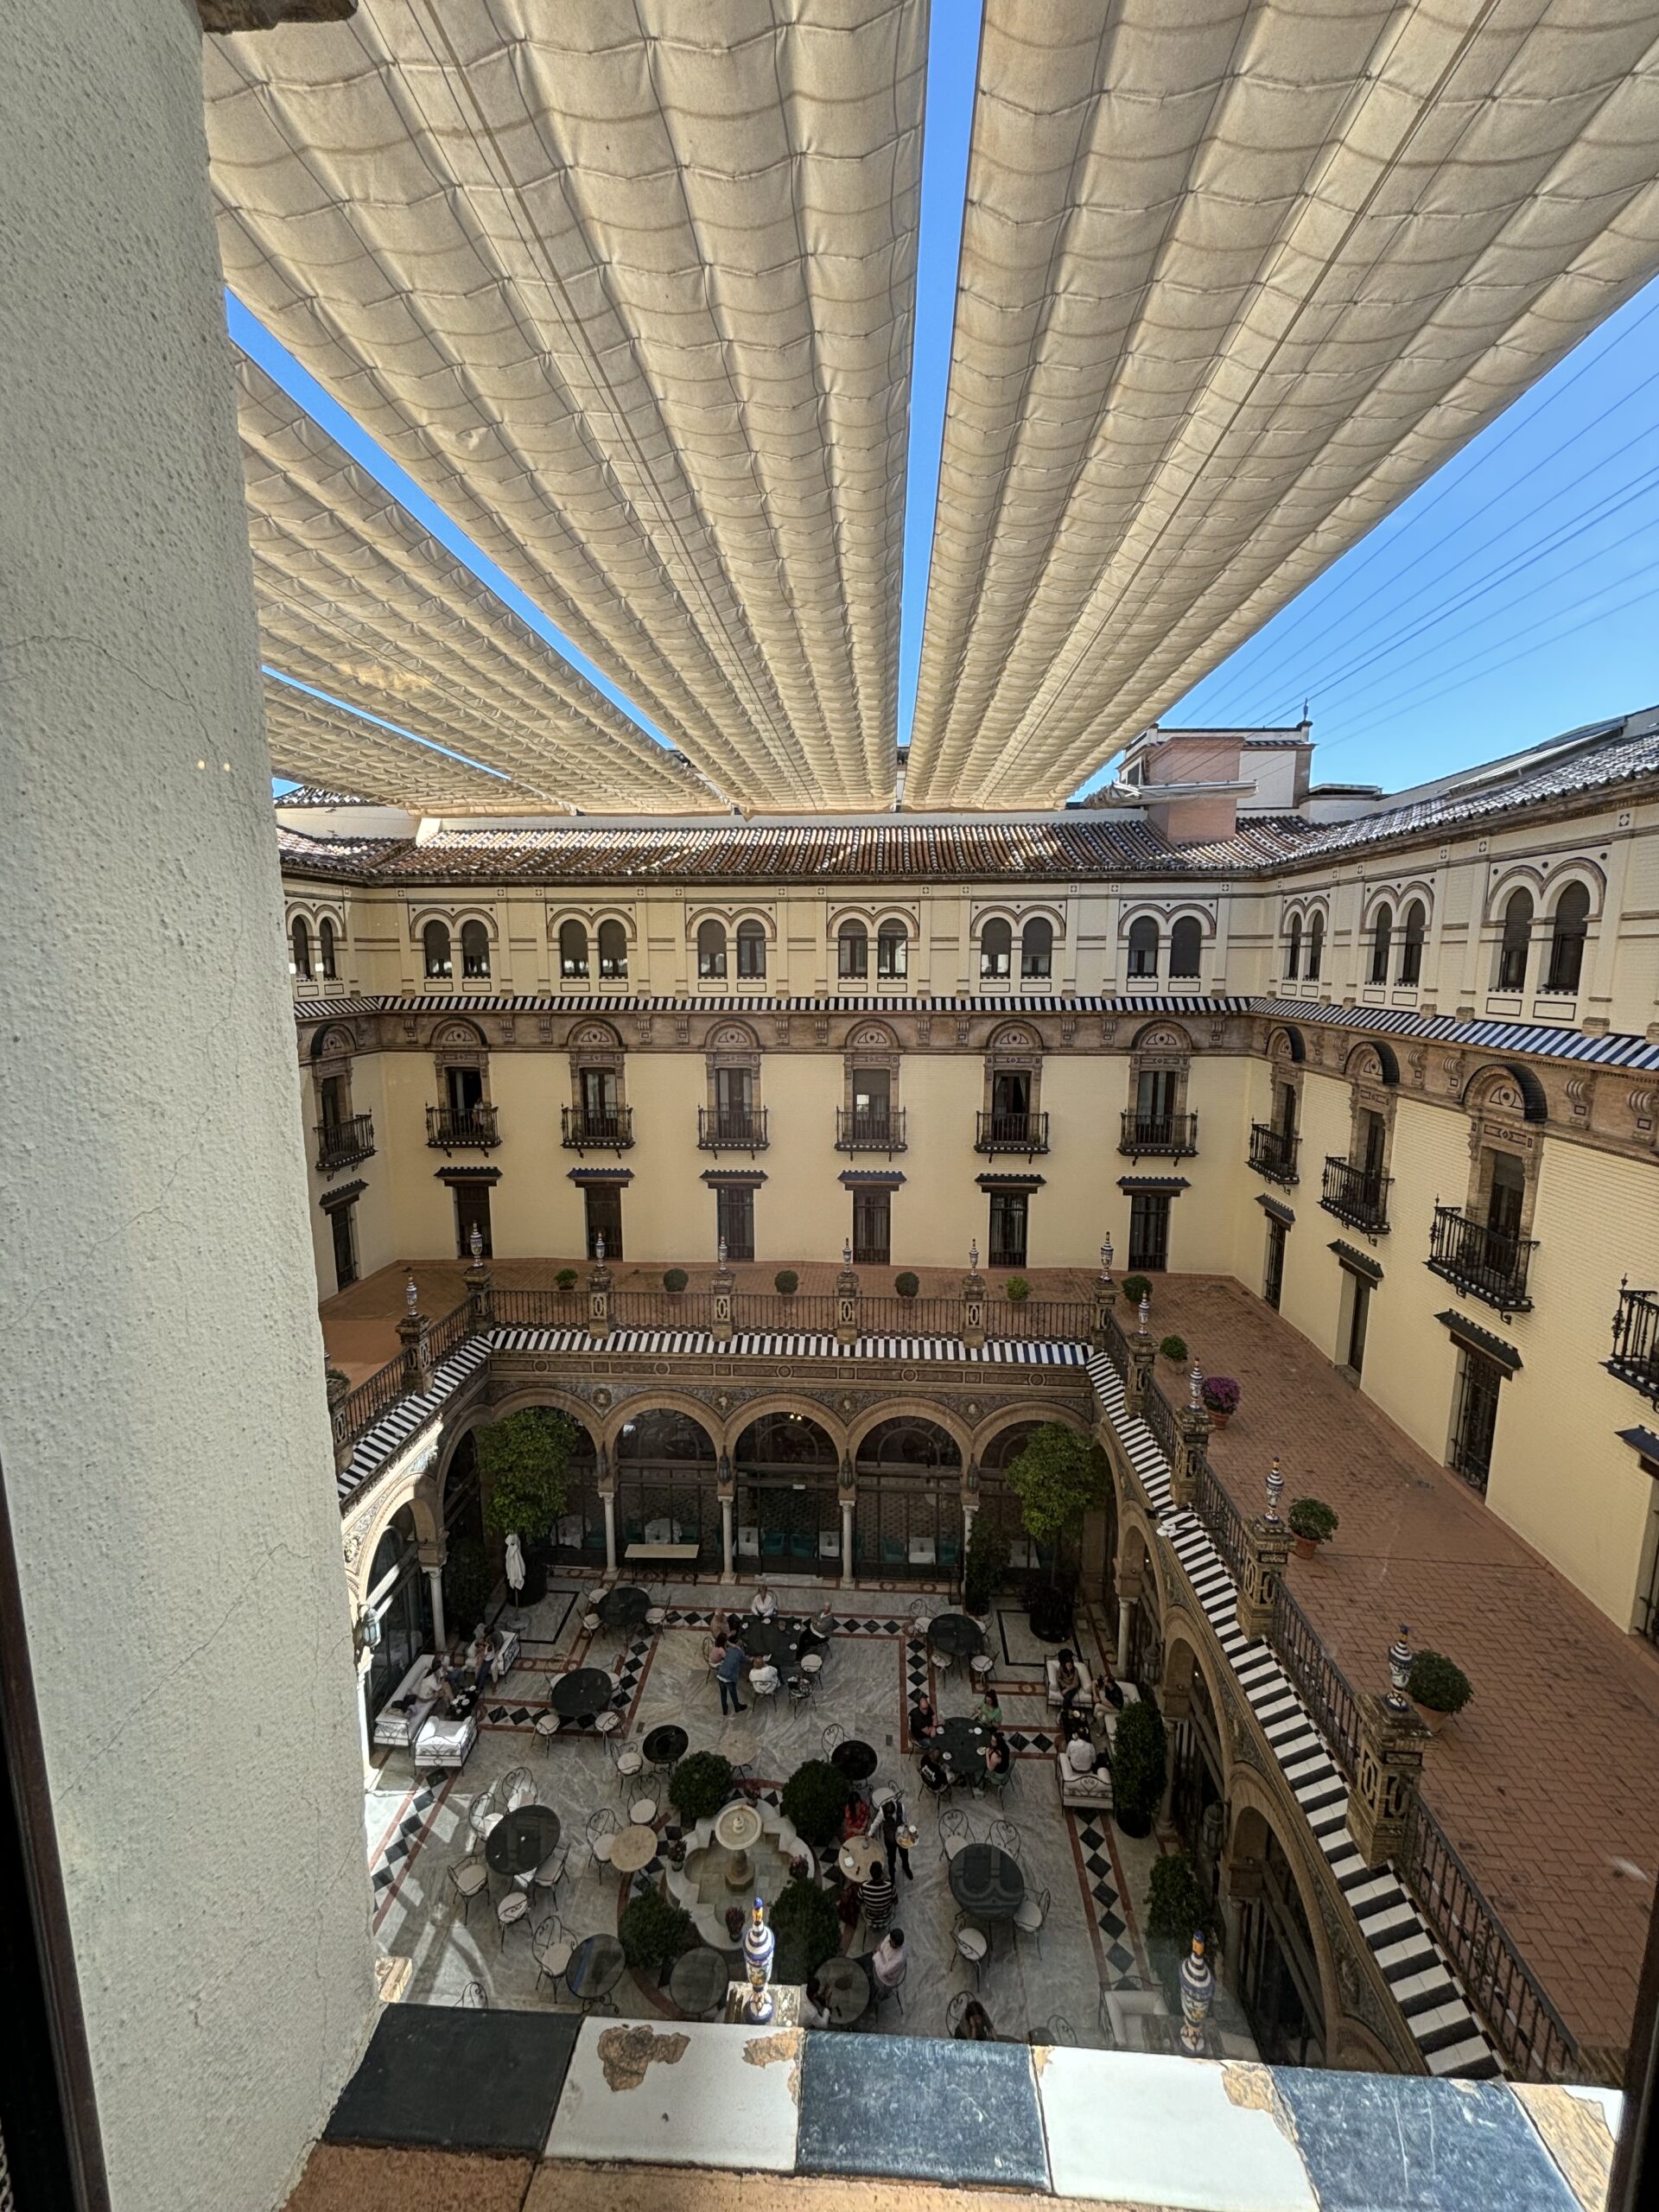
(1635, 1347)
(462, 1129)
(342, 1144)
(1273, 1153)
(1171, 1136)
(1023, 1133)
(1489, 1264)
(732, 1128)
(1358, 1196)
(587, 1129)
(862, 1131)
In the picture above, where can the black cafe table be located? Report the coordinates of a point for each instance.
(986, 1883)
(955, 1635)
(595, 1967)
(846, 1985)
(579, 1695)
(520, 1841)
(699, 1981)
(624, 1606)
(963, 1744)
(665, 1745)
(856, 1759)
(778, 1641)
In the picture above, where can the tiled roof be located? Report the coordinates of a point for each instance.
(315, 795)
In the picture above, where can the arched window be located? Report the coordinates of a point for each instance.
(1293, 954)
(573, 951)
(996, 951)
(325, 949)
(1414, 927)
(853, 951)
(474, 949)
(711, 949)
(1315, 947)
(613, 950)
(1382, 944)
(907, 1442)
(892, 951)
(1186, 947)
(434, 943)
(751, 949)
(1516, 941)
(1566, 939)
(1144, 946)
(1037, 949)
(301, 934)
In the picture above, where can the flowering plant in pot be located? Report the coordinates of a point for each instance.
(1438, 1688)
(1312, 1523)
(735, 1917)
(1221, 1395)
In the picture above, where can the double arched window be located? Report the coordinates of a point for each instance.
(1315, 947)
(434, 947)
(1144, 946)
(612, 951)
(573, 952)
(996, 951)
(300, 937)
(891, 952)
(852, 951)
(1186, 947)
(1382, 944)
(751, 950)
(474, 950)
(1414, 928)
(1293, 952)
(1566, 937)
(1037, 949)
(1515, 943)
(711, 951)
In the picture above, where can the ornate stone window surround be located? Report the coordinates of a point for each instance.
(460, 1045)
(1398, 897)
(313, 915)
(730, 917)
(1286, 1068)
(872, 920)
(1500, 1124)
(870, 1044)
(1013, 1048)
(592, 918)
(732, 1044)
(1554, 878)
(453, 919)
(596, 1045)
(1162, 1048)
(1016, 915)
(332, 1051)
(1373, 1076)
(1163, 914)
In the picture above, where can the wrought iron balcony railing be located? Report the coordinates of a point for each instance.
(1635, 1341)
(602, 1129)
(1273, 1153)
(732, 1128)
(462, 1129)
(1027, 1133)
(1358, 1196)
(1171, 1135)
(1490, 1264)
(342, 1144)
(865, 1130)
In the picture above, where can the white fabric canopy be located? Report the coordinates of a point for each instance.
(316, 743)
(627, 287)
(1236, 275)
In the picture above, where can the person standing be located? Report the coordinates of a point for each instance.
(895, 1838)
(879, 1900)
(888, 1964)
(729, 1673)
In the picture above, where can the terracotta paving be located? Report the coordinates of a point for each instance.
(1548, 1783)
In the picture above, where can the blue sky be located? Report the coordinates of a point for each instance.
(1514, 594)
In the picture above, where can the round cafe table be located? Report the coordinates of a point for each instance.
(775, 1640)
(633, 1849)
(846, 1987)
(986, 1883)
(860, 1856)
(595, 1967)
(855, 1759)
(964, 1743)
(699, 1981)
(665, 1744)
(624, 1606)
(580, 1695)
(520, 1841)
(955, 1635)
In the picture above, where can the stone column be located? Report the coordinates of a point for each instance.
(727, 1492)
(157, 1286)
(607, 1499)
(599, 1300)
(415, 1334)
(1125, 1622)
(973, 1309)
(847, 1302)
(1142, 1353)
(848, 1492)
(725, 1283)
(432, 1558)
(1192, 1424)
(365, 1739)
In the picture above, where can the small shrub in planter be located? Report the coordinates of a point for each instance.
(1175, 1908)
(674, 1281)
(906, 1285)
(566, 1278)
(1313, 1522)
(1019, 1290)
(815, 1800)
(1174, 1348)
(1135, 1287)
(1438, 1687)
(1221, 1395)
(808, 1929)
(1139, 1758)
(700, 1786)
(785, 1283)
(655, 1931)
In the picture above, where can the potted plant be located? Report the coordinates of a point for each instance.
(1018, 1290)
(785, 1283)
(566, 1278)
(699, 1786)
(1139, 1760)
(674, 1281)
(468, 1578)
(1137, 1287)
(1176, 1909)
(1058, 1477)
(1311, 1523)
(808, 1929)
(1221, 1395)
(815, 1800)
(654, 1931)
(521, 1463)
(906, 1284)
(735, 1918)
(1174, 1349)
(984, 1564)
(1438, 1688)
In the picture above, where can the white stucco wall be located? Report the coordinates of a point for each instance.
(162, 1423)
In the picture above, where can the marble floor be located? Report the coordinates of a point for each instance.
(1047, 1986)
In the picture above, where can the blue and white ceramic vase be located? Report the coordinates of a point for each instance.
(759, 1946)
(1197, 1994)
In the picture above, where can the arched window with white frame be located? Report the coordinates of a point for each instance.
(1381, 942)
(996, 951)
(1515, 946)
(1315, 947)
(1569, 927)
(1293, 949)
(326, 951)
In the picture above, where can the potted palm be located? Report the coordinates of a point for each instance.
(1312, 1523)
(1438, 1688)
(1221, 1395)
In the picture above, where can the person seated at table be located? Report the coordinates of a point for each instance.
(482, 1657)
(1107, 1689)
(1067, 1680)
(975, 2025)
(888, 1964)
(858, 1814)
(923, 1720)
(763, 1604)
(765, 1680)
(815, 2013)
(816, 1633)
(735, 1626)
(878, 1899)
(1078, 1752)
(934, 1775)
(999, 1756)
(987, 1712)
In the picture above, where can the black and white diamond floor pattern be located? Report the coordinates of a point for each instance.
(1429, 1998)
(389, 1864)
(1107, 1905)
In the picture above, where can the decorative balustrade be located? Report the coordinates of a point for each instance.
(1358, 1196)
(1636, 1342)
(362, 1408)
(1273, 1153)
(1025, 1132)
(1222, 1519)
(732, 1128)
(865, 1129)
(1317, 1680)
(342, 1144)
(462, 1129)
(1168, 1135)
(1490, 1264)
(587, 1129)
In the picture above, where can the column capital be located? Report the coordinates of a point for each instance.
(434, 1554)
